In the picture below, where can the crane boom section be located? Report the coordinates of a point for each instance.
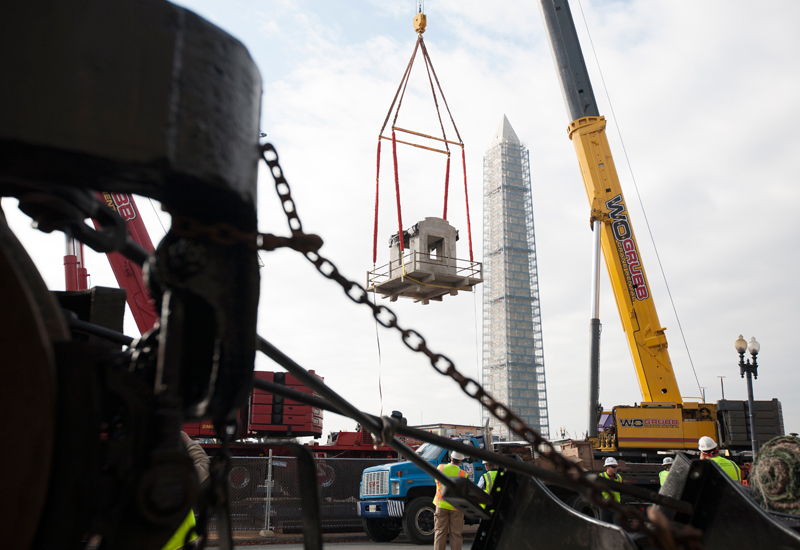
(646, 338)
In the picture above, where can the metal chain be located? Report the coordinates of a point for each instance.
(636, 520)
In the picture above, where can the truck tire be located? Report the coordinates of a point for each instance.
(584, 507)
(418, 520)
(379, 530)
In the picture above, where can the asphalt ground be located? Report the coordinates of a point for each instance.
(251, 540)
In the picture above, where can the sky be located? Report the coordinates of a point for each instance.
(702, 110)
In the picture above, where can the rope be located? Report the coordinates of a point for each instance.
(378, 340)
(446, 186)
(429, 68)
(400, 87)
(375, 230)
(466, 198)
(405, 86)
(164, 229)
(397, 192)
(776, 475)
(444, 99)
(641, 204)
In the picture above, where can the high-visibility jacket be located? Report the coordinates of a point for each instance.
(613, 494)
(450, 470)
(179, 538)
(488, 480)
(729, 468)
(662, 476)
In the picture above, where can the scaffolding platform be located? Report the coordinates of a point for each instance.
(424, 279)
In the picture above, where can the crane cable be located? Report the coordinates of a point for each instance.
(641, 204)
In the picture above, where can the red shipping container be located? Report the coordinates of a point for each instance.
(298, 420)
(258, 409)
(288, 420)
(298, 409)
(207, 428)
(292, 381)
(264, 375)
(261, 397)
(192, 430)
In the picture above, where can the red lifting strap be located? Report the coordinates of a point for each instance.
(446, 186)
(397, 192)
(466, 197)
(375, 231)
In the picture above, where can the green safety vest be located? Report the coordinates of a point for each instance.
(729, 468)
(178, 539)
(615, 494)
(662, 476)
(488, 482)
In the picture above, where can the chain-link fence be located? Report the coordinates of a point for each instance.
(265, 493)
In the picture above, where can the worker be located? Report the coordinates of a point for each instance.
(710, 451)
(202, 467)
(662, 475)
(486, 481)
(611, 466)
(447, 518)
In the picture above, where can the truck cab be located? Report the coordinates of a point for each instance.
(399, 497)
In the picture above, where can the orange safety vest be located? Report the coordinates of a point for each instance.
(450, 470)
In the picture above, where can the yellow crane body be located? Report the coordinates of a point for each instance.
(662, 420)
(621, 252)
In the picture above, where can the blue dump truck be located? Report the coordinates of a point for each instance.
(399, 497)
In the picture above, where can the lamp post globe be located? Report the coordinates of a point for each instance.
(751, 370)
(753, 347)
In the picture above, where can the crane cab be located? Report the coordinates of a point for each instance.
(425, 267)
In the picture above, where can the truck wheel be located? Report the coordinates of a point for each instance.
(584, 507)
(378, 530)
(418, 520)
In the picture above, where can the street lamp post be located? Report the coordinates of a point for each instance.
(745, 367)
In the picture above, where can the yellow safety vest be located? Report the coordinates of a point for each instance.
(662, 476)
(488, 482)
(450, 470)
(179, 538)
(729, 468)
(615, 494)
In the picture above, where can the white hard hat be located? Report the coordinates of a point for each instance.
(457, 456)
(706, 443)
(610, 461)
(667, 460)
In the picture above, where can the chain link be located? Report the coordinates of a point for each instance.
(636, 520)
(227, 235)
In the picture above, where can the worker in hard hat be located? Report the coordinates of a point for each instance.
(710, 451)
(487, 480)
(662, 475)
(611, 466)
(447, 518)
